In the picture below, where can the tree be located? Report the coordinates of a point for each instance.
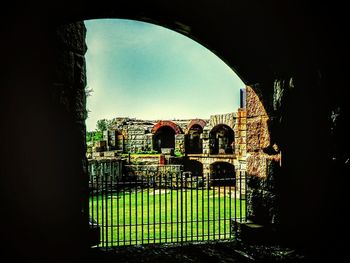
(102, 125)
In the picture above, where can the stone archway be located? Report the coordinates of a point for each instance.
(164, 137)
(195, 167)
(193, 140)
(294, 41)
(164, 133)
(221, 140)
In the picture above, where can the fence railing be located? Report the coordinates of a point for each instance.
(162, 204)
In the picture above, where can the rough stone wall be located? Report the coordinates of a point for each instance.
(180, 143)
(136, 139)
(162, 175)
(257, 129)
(241, 134)
(228, 119)
(260, 179)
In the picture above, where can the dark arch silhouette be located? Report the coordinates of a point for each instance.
(277, 40)
(164, 137)
(222, 174)
(193, 139)
(221, 139)
(195, 167)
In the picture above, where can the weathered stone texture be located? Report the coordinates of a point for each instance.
(180, 143)
(257, 133)
(254, 104)
(262, 196)
(72, 37)
(228, 119)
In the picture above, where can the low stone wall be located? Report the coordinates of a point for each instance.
(156, 175)
(153, 170)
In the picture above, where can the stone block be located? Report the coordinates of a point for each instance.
(110, 154)
(100, 144)
(97, 154)
(167, 151)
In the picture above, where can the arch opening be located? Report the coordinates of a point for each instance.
(193, 140)
(222, 174)
(195, 167)
(164, 137)
(221, 140)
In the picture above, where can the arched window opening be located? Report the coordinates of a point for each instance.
(221, 140)
(164, 138)
(193, 140)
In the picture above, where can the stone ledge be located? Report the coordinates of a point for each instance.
(253, 233)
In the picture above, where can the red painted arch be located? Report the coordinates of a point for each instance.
(170, 124)
(199, 122)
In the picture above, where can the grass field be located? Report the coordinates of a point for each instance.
(158, 216)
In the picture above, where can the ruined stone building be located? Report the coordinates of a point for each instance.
(230, 143)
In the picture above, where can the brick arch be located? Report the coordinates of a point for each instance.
(199, 122)
(170, 124)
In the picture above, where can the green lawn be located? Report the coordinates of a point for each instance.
(166, 215)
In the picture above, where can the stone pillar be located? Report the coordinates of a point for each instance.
(205, 140)
(206, 174)
(241, 186)
(241, 135)
(180, 143)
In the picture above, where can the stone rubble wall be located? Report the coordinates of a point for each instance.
(261, 163)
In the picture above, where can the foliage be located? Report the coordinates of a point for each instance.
(178, 154)
(94, 136)
(147, 152)
(102, 125)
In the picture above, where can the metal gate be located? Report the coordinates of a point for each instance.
(162, 204)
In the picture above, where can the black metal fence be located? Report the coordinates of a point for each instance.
(162, 204)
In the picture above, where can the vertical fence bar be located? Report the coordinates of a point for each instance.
(148, 206)
(111, 174)
(142, 215)
(208, 202)
(191, 207)
(225, 221)
(235, 200)
(197, 208)
(171, 207)
(166, 205)
(219, 206)
(185, 189)
(203, 205)
(105, 178)
(102, 206)
(245, 195)
(214, 219)
(118, 219)
(124, 217)
(130, 211)
(181, 209)
(177, 208)
(136, 194)
(240, 197)
(160, 205)
(154, 208)
(91, 193)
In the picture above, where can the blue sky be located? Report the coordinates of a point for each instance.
(141, 70)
